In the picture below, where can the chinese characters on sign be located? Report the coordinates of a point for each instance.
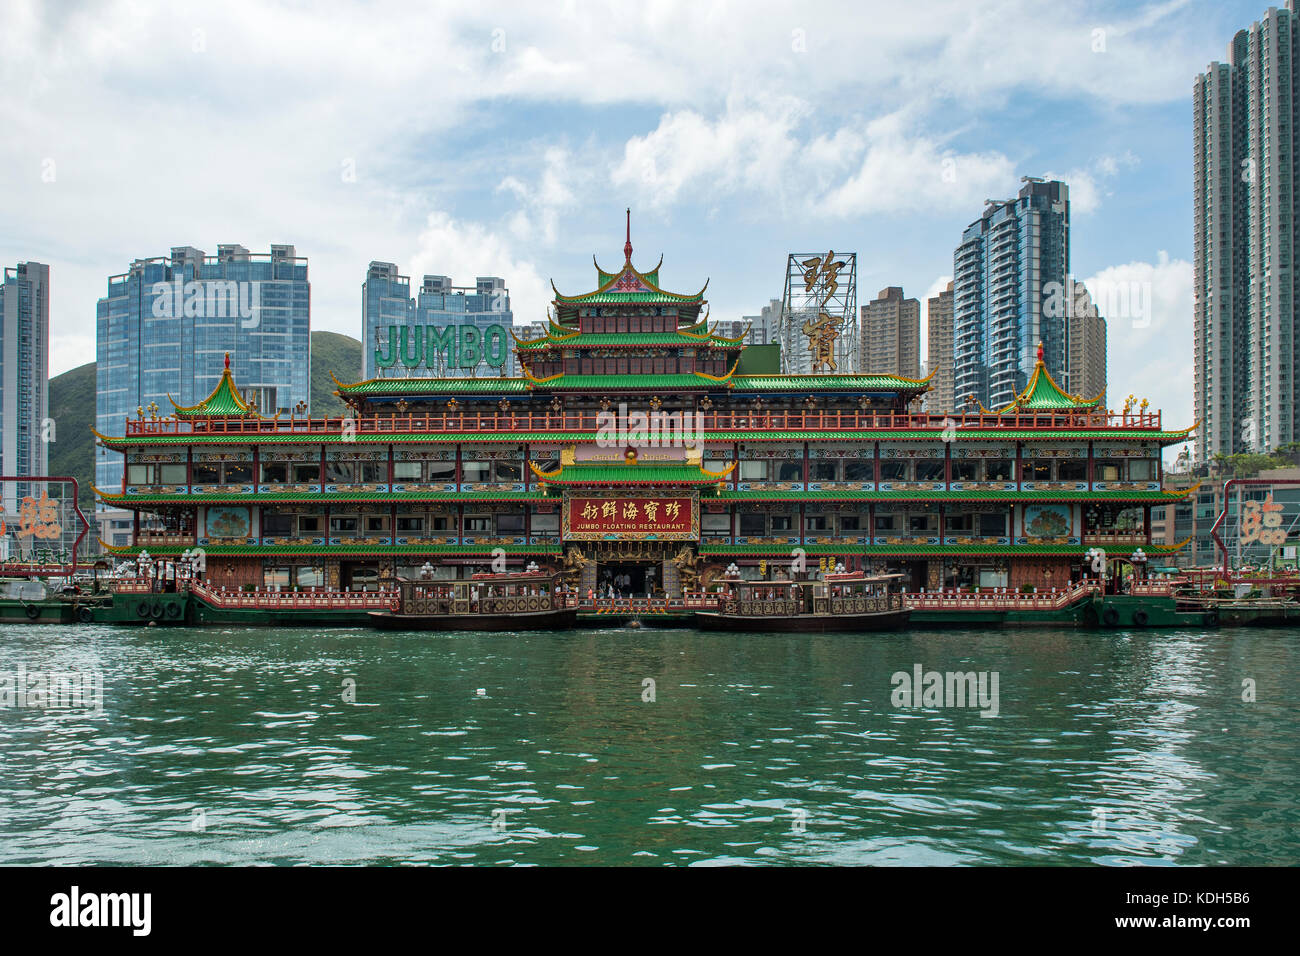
(596, 517)
(1262, 521)
(36, 519)
(823, 332)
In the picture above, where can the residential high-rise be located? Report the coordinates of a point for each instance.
(763, 327)
(1245, 137)
(167, 323)
(24, 376)
(1085, 336)
(891, 335)
(938, 357)
(1009, 263)
(446, 331)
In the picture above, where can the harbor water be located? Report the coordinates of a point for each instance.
(652, 747)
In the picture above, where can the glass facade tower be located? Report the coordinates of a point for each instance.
(166, 325)
(24, 375)
(432, 339)
(1005, 270)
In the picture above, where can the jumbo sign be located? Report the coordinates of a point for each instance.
(458, 346)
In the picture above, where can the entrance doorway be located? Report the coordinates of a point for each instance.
(628, 578)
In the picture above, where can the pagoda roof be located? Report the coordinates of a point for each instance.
(1043, 394)
(627, 286)
(224, 402)
(632, 473)
(829, 383)
(694, 336)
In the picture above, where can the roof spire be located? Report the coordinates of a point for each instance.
(627, 246)
(1040, 351)
(227, 361)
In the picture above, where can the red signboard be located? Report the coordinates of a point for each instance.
(593, 517)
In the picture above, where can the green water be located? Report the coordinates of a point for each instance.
(236, 746)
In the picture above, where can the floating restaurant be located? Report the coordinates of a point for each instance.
(640, 453)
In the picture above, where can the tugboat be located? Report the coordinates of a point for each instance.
(836, 603)
(512, 601)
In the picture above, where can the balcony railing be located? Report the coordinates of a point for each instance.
(445, 423)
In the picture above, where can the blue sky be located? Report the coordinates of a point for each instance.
(507, 139)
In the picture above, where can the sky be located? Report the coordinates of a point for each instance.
(507, 139)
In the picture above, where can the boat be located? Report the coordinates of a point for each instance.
(510, 601)
(834, 603)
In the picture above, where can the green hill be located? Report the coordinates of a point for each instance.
(72, 406)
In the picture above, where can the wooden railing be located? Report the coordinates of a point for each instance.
(297, 600)
(999, 601)
(589, 421)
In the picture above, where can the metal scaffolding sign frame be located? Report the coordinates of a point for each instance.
(818, 328)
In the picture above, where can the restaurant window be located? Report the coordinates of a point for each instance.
(1142, 469)
(816, 523)
(850, 523)
(275, 473)
(309, 577)
(1106, 469)
(440, 471)
(475, 471)
(858, 469)
(754, 469)
(921, 523)
(999, 469)
(277, 526)
(993, 525)
(1072, 469)
(891, 470)
(343, 525)
(954, 523)
(930, 469)
(753, 525)
(510, 523)
(376, 524)
(206, 474)
(308, 525)
(715, 526)
(407, 471)
(238, 473)
(276, 578)
(507, 471)
(822, 469)
(1036, 469)
(410, 524)
(340, 472)
(782, 523)
(372, 472)
(885, 522)
(546, 523)
(478, 523)
(790, 471)
(965, 469)
(306, 474)
(440, 523)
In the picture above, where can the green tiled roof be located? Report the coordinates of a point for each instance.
(436, 386)
(326, 497)
(364, 550)
(937, 550)
(826, 383)
(964, 495)
(1043, 394)
(630, 475)
(595, 340)
(365, 438)
(223, 402)
(689, 382)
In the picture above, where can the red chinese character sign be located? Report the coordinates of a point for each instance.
(631, 516)
(41, 527)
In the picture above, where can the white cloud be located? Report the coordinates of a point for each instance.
(1148, 312)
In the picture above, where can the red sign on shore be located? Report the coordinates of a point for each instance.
(633, 517)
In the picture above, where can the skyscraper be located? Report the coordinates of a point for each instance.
(446, 331)
(1245, 230)
(762, 327)
(1004, 272)
(24, 375)
(891, 335)
(1085, 335)
(938, 358)
(166, 325)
